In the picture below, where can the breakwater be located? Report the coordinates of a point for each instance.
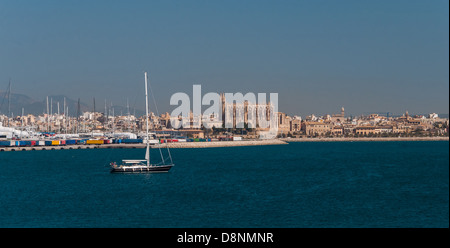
(323, 139)
(141, 145)
(70, 147)
(224, 143)
(211, 143)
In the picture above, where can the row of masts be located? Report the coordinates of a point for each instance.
(109, 111)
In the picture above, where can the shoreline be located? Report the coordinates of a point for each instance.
(142, 146)
(223, 143)
(281, 141)
(335, 139)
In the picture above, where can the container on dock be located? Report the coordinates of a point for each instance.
(71, 142)
(62, 142)
(94, 142)
(23, 143)
(55, 143)
(6, 143)
(40, 143)
(131, 141)
(237, 138)
(48, 143)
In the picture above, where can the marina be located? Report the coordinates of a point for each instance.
(71, 147)
(142, 145)
(138, 144)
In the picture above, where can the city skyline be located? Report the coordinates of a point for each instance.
(236, 119)
(369, 57)
(38, 107)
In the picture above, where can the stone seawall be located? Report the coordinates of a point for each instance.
(366, 139)
(224, 143)
(283, 141)
(135, 146)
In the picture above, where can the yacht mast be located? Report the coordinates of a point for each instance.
(147, 153)
(48, 117)
(9, 101)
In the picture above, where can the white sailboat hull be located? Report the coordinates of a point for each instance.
(141, 168)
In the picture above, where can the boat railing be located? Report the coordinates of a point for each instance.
(133, 161)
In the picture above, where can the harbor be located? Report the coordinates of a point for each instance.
(142, 145)
(172, 143)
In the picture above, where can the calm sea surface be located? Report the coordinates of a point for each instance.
(307, 184)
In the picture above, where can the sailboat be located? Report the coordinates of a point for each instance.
(142, 165)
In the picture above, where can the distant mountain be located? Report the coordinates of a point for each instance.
(38, 107)
(18, 101)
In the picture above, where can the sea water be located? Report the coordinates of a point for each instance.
(305, 184)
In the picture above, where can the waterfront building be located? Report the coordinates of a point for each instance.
(400, 128)
(337, 131)
(366, 130)
(316, 128)
(284, 123)
(296, 124)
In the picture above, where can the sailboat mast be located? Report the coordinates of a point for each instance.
(147, 154)
(48, 117)
(9, 101)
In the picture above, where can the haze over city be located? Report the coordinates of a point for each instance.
(381, 56)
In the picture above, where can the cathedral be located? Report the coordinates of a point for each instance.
(235, 115)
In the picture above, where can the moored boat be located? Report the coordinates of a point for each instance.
(139, 166)
(143, 165)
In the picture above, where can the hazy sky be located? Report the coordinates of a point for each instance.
(368, 56)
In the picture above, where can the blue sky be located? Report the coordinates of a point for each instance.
(368, 56)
